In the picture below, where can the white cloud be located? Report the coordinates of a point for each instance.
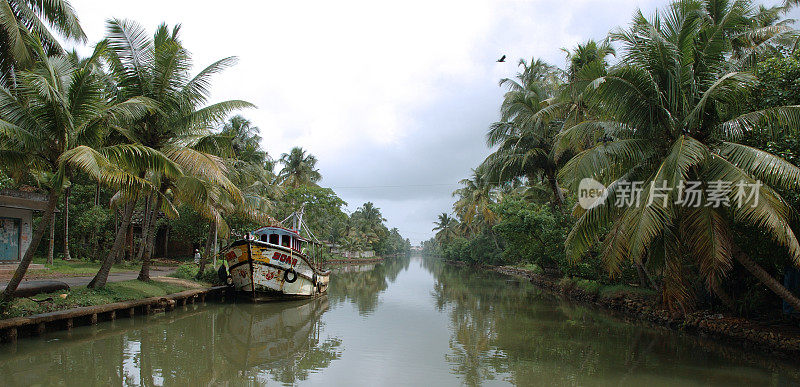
(384, 93)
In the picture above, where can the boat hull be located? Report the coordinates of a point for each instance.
(266, 272)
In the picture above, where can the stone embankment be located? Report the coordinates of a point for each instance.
(39, 324)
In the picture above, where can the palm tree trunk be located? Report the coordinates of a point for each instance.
(558, 194)
(22, 268)
(67, 192)
(101, 277)
(145, 228)
(207, 253)
(766, 278)
(144, 273)
(52, 241)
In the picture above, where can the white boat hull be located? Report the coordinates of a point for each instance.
(264, 271)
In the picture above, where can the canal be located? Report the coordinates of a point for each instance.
(407, 321)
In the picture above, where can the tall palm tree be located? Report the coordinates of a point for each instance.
(54, 109)
(673, 113)
(181, 129)
(525, 139)
(445, 228)
(19, 19)
(299, 169)
(474, 201)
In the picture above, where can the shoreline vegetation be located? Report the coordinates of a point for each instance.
(585, 189)
(148, 167)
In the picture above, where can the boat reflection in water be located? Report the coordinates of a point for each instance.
(202, 345)
(283, 339)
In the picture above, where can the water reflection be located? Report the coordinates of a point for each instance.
(203, 345)
(515, 332)
(363, 284)
(401, 322)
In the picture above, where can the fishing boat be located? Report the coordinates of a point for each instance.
(276, 263)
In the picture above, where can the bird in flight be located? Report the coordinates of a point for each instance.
(502, 59)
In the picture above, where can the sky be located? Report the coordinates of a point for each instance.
(393, 97)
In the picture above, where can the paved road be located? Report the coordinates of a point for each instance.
(83, 281)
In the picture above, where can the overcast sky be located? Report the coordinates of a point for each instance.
(394, 98)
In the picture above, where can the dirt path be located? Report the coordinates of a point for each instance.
(84, 280)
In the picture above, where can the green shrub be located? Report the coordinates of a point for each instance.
(611, 291)
(189, 271)
(588, 286)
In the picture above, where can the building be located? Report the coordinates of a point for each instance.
(16, 222)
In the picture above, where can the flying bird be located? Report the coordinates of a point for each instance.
(502, 59)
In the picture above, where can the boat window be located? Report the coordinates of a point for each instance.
(273, 239)
(285, 240)
(263, 237)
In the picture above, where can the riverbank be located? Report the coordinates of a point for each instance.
(781, 340)
(83, 306)
(355, 261)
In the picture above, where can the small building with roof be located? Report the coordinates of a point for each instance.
(16, 222)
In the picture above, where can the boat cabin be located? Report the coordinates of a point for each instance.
(280, 237)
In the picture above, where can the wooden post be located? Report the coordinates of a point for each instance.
(69, 323)
(131, 312)
(41, 328)
(93, 319)
(147, 309)
(112, 315)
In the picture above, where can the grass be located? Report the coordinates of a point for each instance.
(188, 271)
(83, 296)
(605, 291)
(78, 266)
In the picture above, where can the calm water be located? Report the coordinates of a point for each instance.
(404, 322)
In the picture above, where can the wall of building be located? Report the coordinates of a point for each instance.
(25, 224)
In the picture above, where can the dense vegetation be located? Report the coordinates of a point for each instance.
(703, 92)
(126, 148)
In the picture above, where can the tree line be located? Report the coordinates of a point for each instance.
(702, 92)
(127, 135)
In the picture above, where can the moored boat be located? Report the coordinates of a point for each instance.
(273, 263)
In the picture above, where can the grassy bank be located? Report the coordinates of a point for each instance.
(83, 296)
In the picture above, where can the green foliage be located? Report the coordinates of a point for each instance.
(481, 249)
(189, 271)
(191, 228)
(323, 210)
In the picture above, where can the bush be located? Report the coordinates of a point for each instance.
(588, 286)
(189, 271)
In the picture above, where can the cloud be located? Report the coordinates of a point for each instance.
(385, 94)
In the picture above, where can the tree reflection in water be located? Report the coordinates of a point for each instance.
(363, 284)
(454, 325)
(279, 341)
(509, 329)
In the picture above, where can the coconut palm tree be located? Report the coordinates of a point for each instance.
(524, 138)
(53, 110)
(474, 201)
(446, 228)
(19, 19)
(158, 68)
(299, 169)
(672, 115)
